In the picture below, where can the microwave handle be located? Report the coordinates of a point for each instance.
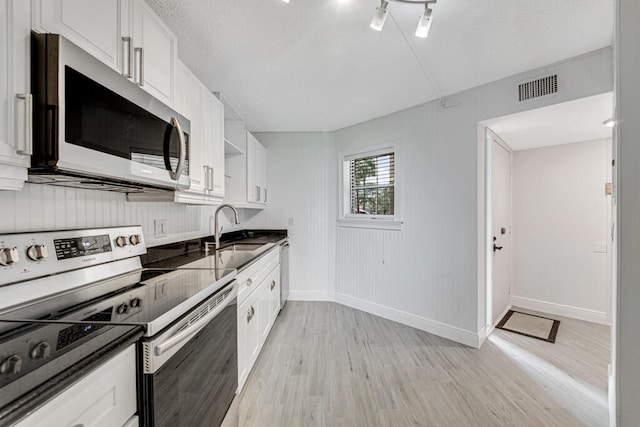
(182, 150)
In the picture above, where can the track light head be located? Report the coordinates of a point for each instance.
(424, 23)
(377, 22)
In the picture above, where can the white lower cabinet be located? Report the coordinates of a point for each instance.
(249, 342)
(256, 309)
(106, 397)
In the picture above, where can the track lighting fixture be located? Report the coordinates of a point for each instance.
(424, 22)
(377, 22)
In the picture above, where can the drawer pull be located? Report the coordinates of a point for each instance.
(249, 282)
(250, 313)
(273, 284)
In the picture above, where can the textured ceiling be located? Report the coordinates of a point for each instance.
(314, 65)
(574, 121)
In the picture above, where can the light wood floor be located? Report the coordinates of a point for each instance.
(325, 364)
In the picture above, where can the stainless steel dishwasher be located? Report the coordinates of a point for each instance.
(284, 273)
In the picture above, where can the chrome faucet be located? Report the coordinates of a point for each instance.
(219, 229)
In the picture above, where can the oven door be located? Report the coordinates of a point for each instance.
(191, 369)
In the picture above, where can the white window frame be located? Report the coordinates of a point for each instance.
(345, 217)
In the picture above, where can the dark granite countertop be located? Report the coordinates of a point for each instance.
(237, 250)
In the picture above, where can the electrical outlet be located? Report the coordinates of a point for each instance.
(159, 228)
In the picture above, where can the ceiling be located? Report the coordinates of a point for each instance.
(574, 121)
(314, 65)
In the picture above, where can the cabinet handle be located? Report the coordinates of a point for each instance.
(210, 179)
(249, 282)
(258, 193)
(140, 52)
(28, 123)
(128, 54)
(250, 313)
(273, 284)
(265, 195)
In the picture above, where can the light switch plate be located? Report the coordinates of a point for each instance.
(159, 228)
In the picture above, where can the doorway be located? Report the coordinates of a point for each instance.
(568, 147)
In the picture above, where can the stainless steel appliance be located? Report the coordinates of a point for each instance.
(67, 295)
(284, 273)
(95, 129)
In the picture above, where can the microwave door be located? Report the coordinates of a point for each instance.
(106, 127)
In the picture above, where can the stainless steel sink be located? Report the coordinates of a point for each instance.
(242, 247)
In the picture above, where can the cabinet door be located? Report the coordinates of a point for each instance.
(15, 114)
(274, 298)
(261, 171)
(264, 315)
(253, 190)
(248, 337)
(155, 53)
(93, 25)
(105, 397)
(214, 131)
(189, 104)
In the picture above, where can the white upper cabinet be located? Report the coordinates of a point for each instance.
(15, 93)
(154, 52)
(257, 190)
(124, 34)
(214, 143)
(246, 169)
(101, 36)
(206, 141)
(188, 103)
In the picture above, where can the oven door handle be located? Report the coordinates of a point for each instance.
(194, 328)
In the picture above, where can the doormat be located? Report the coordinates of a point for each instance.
(530, 325)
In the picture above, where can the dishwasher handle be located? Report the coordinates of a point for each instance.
(194, 328)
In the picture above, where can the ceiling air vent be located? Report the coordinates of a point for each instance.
(537, 88)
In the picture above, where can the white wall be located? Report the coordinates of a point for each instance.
(627, 317)
(560, 230)
(302, 178)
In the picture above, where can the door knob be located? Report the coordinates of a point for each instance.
(496, 247)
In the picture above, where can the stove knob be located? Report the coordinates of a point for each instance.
(121, 241)
(9, 256)
(122, 309)
(37, 252)
(42, 350)
(135, 302)
(11, 365)
(134, 239)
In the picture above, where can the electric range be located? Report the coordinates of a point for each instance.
(67, 295)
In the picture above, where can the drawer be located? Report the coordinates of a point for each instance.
(250, 277)
(105, 397)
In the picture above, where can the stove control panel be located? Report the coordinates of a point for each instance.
(28, 256)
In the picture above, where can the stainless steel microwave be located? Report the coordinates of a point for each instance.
(95, 129)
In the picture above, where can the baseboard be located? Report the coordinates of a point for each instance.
(310, 296)
(445, 331)
(560, 310)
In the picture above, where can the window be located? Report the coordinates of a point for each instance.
(369, 189)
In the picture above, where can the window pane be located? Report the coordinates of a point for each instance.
(372, 185)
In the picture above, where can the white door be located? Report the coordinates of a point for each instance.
(501, 229)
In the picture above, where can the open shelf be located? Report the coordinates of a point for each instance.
(230, 149)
